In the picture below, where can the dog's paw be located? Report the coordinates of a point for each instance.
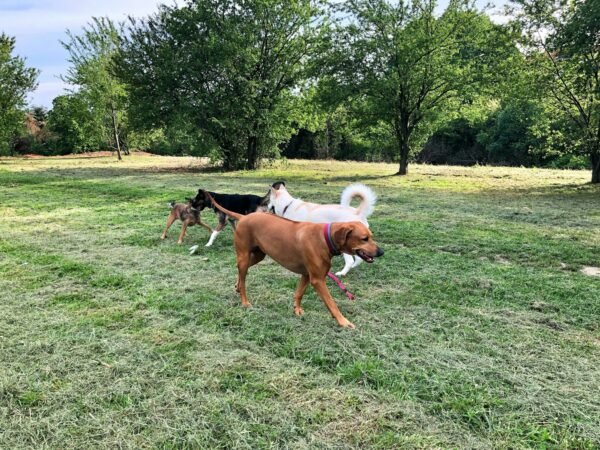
(193, 249)
(341, 273)
(345, 323)
(209, 244)
(298, 311)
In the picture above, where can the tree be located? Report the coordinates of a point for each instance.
(229, 67)
(16, 81)
(405, 63)
(562, 43)
(91, 55)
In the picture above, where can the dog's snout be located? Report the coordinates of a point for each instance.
(380, 252)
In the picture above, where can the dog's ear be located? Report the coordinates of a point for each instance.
(341, 234)
(278, 184)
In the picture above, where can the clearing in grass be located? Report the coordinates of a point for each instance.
(478, 329)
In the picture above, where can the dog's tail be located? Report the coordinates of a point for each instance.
(365, 194)
(231, 214)
(172, 204)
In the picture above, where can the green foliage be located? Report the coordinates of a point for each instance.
(76, 125)
(228, 67)
(16, 80)
(519, 133)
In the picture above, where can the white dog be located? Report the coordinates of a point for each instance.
(284, 205)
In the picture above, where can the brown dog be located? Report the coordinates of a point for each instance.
(187, 214)
(302, 247)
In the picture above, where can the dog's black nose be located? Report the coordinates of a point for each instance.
(380, 252)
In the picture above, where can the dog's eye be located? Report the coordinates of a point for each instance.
(366, 238)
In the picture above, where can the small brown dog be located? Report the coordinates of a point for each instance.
(187, 214)
(302, 247)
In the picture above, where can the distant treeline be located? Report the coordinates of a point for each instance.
(373, 80)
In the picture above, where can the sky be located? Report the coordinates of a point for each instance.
(39, 25)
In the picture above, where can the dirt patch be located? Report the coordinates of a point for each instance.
(101, 154)
(543, 307)
(591, 271)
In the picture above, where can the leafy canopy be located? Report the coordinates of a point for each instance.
(229, 68)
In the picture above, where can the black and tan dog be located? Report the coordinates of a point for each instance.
(302, 247)
(238, 203)
(187, 214)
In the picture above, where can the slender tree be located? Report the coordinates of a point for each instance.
(91, 56)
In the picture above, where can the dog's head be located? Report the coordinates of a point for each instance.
(200, 201)
(277, 192)
(355, 238)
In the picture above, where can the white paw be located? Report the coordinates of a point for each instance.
(341, 273)
(209, 244)
(193, 249)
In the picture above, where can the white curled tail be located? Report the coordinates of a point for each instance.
(365, 194)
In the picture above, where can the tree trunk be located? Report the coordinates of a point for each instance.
(116, 131)
(251, 153)
(403, 169)
(595, 157)
(403, 136)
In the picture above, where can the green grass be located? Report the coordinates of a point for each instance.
(475, 330)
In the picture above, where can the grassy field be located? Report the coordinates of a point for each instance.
(477, 329)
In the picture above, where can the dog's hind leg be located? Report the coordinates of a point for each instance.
(357, 261)
(349, 263)
(321, 288)
(208, 227)
(243, 262)
(222, 224)
(172, 218)
(302, 284)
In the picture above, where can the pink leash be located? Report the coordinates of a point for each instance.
(343, 288)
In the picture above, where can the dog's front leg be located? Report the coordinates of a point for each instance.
(319, 286)
(216, 231)
(348, 264)
(302, 284)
